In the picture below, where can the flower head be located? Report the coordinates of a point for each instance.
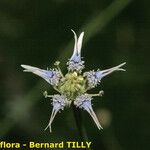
(84, 101)
(74, 86)
(75, 63)
(51, 76)
(58, 103)
(94, 77)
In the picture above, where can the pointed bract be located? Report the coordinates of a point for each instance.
(103, 73)
(77, 47)
(84, 102)
(51, 76)
(58, 103)
(75, 63)
(94, 77)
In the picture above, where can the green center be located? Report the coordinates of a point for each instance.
(72, 85)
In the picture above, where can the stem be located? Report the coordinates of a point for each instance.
(46, 95)
(57, 65)
(79, 123)
(101, 93)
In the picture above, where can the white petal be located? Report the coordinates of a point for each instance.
(78, 43)
(94, 117)
(109, 71)
(54, 112)
(75, 44)
(45, 74)
(58, 104)
(84, 102)
(80, 39)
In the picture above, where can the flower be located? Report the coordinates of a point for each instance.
(58, 103)
(51, 76)
(94, 77)
(74, 86)
(84, 101)
(75, 63)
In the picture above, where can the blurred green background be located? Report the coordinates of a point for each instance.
(38, 33)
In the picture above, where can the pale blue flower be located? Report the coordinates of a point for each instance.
(73, 87)
(94, 77)
(51, 76)
(75, 63)
(84, 101)
(58, 103)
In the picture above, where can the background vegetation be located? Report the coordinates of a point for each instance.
(38, 33)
